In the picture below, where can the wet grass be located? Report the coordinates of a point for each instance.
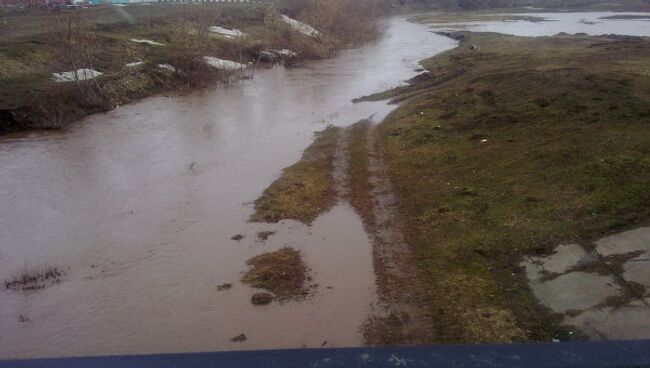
(306, 188)
(282, 272)
(532, 142)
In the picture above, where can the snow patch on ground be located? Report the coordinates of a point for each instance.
(230, 33)
(300, 26)
(134, 64)
(167, 67)
(80, 74)
(285, 53)
(222, 64)
(149, 42)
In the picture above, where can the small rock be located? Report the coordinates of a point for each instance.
(237, 237)
(239, 338)
(223, 287)
(262, 298)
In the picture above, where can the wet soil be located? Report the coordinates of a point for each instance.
(400, 315)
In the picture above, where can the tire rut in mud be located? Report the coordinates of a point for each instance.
(401, 315)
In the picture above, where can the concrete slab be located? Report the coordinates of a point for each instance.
(625, 242)
(565, 257)
(638, 270)
(575, 291)
(630, 322)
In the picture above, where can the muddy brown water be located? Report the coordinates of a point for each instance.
(138, 207)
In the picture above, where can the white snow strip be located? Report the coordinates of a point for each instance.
(167, 67)
(80, 74)
(134, 64)
(141, 40)
(300, 26)
(285, 53)
(224, 64)
(230, 33)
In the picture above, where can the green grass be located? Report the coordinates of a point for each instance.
(306, 188)
(532, 142)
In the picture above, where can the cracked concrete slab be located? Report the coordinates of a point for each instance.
(630, 322)
(575, 291)
(625, 242)
(638, 270)
(565, 257)
(560, 283)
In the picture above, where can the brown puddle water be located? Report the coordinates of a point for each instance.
(138, 205)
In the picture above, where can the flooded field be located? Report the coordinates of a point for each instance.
(591, 23)
(136, 209)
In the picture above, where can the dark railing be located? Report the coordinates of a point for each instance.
(620, 354)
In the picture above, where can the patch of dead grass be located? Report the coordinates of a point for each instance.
(282, 272)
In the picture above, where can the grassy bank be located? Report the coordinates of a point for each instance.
(306, 188)
(36, 43)
(512, 150)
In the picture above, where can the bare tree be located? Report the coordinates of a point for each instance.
(78, 48)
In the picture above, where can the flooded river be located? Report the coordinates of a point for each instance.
(138, 206)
